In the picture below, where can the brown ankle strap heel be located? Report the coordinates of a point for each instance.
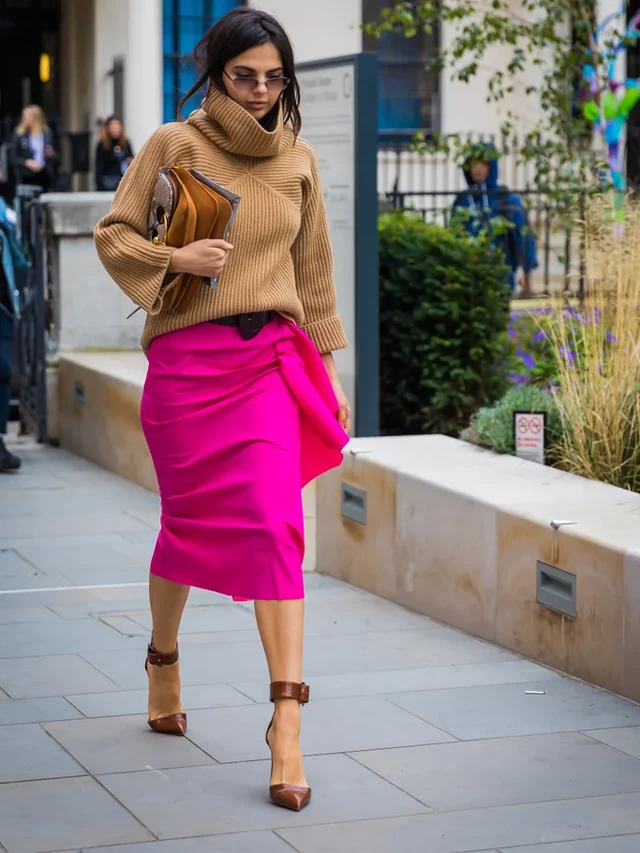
(289, 690)
(156, 658)
(173, 724)
(286, 796)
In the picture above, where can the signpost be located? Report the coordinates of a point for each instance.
(339, 115)
(528, 430)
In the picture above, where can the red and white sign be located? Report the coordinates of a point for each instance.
(528, 430)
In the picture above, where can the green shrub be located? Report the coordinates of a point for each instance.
(444, 310)
(492, 426)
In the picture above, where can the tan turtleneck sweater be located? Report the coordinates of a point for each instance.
(281, 260)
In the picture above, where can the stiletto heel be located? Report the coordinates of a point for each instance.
(171, 724)
(293, 797)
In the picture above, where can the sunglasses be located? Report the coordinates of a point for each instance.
(250, 84)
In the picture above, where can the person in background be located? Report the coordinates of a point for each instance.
(33, 154)
(113, 155)
(486, 200)
(13, 266)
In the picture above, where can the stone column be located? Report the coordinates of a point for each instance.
(143, 70)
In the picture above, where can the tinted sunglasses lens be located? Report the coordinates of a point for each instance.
(277, 84)
(250, 84)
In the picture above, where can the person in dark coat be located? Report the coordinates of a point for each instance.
(33, 156)
(113, 155)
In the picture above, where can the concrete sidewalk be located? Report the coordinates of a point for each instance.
(418, 737)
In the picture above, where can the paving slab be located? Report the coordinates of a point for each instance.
(507, 771)
(237, 842)
(123, 744)
(505, 710)
(417, 736)
(59, 638)
(329, 726)
(179, 803)
(128, 702)
(63, 814)
(28, 678)
(27, 752)
(610, 844)
(9, 616)
(462, 832)
(625, 740)
(409, 680)
(17, 711)
(205, 619)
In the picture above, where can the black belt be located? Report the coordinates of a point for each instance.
(249, 325)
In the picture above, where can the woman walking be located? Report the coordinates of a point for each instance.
(113, 155)
(33, 155)
(242, 404)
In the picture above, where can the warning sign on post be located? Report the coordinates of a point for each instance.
(528, 430)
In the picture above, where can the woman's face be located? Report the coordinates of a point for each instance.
(27, 118)
(254, 79)
(114, 129)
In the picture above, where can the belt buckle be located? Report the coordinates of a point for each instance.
(250, 325)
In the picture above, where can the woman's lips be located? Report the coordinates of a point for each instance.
(257, 105)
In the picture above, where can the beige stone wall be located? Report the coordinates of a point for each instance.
(456, 533)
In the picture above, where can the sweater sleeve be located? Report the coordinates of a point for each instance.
(313, 264)
(137, 266)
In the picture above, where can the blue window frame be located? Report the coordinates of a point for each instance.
(409, 96)
(183, 25)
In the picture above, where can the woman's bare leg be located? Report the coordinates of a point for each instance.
(167, 601)
(281, 625)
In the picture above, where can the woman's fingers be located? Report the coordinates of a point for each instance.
(220, 244)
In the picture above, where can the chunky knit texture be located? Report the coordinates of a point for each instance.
(281, 260)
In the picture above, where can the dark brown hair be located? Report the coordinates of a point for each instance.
(106, 140)
(238, 31)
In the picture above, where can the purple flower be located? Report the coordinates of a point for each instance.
(527, 359)
(611, 339)
(567, 354)
(540, 336)
(518, 378)
(515, 317)
(512, 334)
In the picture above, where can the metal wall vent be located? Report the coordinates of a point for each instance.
(354, 503)
(556, 589)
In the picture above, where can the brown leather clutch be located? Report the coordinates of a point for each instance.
(187, 206)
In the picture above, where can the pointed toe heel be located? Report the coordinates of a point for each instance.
(294, 797)
(166, 724)
(176, 724)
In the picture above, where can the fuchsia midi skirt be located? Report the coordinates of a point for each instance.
(236, 429)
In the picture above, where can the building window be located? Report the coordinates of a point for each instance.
(184, 24)
(409, 95)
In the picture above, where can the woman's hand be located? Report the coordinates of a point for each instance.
(33, 166)
(344, 409)
(204, 257)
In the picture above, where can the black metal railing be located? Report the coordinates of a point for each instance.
(560, 247)
(31, 362)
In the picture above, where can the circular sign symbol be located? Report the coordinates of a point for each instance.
(523, 425)
(535, 425)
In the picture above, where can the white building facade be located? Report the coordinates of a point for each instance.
(131, 57)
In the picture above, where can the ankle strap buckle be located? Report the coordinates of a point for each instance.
(156, 658)
(290, 690)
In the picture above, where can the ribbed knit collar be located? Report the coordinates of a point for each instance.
(231, 127)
